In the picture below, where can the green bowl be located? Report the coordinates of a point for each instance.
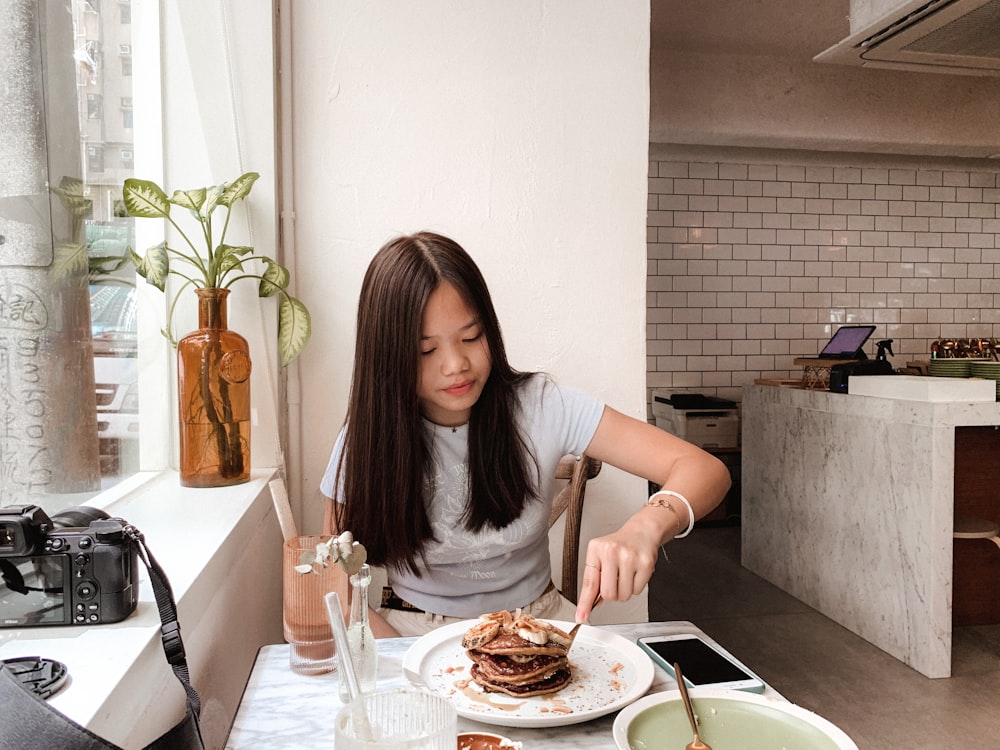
(727, 720)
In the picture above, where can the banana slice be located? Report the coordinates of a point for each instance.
(480, 634)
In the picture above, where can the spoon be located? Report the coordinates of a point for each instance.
(696, 743)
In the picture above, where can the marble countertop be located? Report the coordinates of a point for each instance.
(283, 710)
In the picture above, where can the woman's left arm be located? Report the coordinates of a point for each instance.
(619, 565)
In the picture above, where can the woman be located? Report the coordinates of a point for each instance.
(444, 466)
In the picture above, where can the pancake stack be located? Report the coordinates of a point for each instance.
(518, 655)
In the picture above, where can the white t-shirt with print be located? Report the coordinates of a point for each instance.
(474, 573)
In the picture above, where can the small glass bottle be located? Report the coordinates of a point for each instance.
(361, 641)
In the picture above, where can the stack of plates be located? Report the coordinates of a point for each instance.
(988, 370)
(950, 368)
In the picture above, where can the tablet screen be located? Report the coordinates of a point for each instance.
(846, 341)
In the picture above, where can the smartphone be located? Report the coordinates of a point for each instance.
(702, 664)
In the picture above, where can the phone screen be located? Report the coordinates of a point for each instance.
(700, 664)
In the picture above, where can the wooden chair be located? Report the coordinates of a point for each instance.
(967, 527)
(578, 470)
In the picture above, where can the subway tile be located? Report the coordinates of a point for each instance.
(918, 193)
(673, 202)
(805, 221)
(672, 169)
(744, 283)
(984, 179)
(945, 224)
(874, 208)
(914, 285)
(819, 174)
(958, 179)
(776, 252)
(943, 194)
(887, 285)
(660, 218)
(671, 234)
(688, 218)
(987, 241)
(747, 252)
(733, 203)
(973, 224)
(718, 219)
(819, 206)
(660, 186)
(791, 173)
(902, 176)
(747, 187)
(833, 191)
(859, 285)
(762, 172)
(777, 315)
(805, 189)
(863, 224)
(747, 221)
(929, 177)
(916, 223)
(717, 251)
(775, 284)
(832, 222)
(776, 221)
(718, 187)
(887, 254)
(718, 315)
(928, 239)
(927, 208)
(762, 204)
(733, 171)
(687, 347)
(888, 223)
(957, 240)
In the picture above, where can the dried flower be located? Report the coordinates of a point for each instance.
(343, 550)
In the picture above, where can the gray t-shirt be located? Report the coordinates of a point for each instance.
(474, 573)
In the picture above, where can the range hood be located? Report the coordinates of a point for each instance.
(940, 36)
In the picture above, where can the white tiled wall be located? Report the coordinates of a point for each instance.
(754, 264)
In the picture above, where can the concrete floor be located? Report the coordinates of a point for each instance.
(814, 662)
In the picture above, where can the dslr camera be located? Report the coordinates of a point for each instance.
(77, 568)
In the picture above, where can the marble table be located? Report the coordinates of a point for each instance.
(282, 710)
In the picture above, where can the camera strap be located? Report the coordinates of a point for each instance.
(29, 723)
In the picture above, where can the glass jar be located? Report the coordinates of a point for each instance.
(361, 641)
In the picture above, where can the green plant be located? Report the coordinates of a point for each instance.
(217, 264)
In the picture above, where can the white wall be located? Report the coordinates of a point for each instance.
(518, 128)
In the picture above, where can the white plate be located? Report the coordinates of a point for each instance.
(609, 672)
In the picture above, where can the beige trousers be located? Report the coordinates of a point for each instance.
(551, 605)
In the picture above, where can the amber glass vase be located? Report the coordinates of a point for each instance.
(213, 391)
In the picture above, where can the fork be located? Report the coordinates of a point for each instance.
(575, 628)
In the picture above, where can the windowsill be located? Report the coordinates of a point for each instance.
(200, 538)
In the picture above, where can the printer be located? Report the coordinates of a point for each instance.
(705, 421)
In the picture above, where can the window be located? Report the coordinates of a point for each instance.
(82, 445)
(126, 66)
(95, 106)
(95, 158)
(124, 13)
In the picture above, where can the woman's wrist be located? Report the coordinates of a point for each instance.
(671, 501)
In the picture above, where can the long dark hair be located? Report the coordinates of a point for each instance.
(386, 461)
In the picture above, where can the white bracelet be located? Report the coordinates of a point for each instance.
(683, 499)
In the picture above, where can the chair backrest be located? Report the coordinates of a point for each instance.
(578, 470)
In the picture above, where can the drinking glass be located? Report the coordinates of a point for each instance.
(306, 625)
(404, 719)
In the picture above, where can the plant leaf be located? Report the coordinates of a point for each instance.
(228, 257)
(294, 328)
(212, 196)
(145, 199)
(70, 191)
(189, 199)
(275, 278)
(154, 266)
(238, 188)
(69, 261)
